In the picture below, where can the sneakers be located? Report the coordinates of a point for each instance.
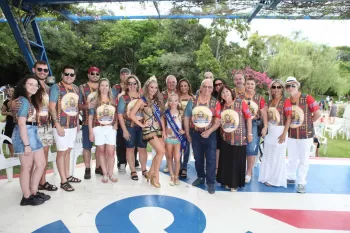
(211, 188)
(43, 196)
(198, 181)
(122, 168)
(248, 179)
(98, 171)
(87, 174)
(166, 169)
(301, 188)
(32, 200)
(290, 181)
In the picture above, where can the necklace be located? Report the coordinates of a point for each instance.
(200, 100)
(275, 102)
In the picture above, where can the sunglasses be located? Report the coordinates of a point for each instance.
(41, 70)
(132, 84)
(69, 74)
(92, 73)
(291, 85)
(276, 87)
(218, 84)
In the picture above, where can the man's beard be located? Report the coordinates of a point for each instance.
(93, 81)
(42, 79)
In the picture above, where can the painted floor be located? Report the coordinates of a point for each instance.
(134, 206)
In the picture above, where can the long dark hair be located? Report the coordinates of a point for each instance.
(215, 93)
(189, 87)
(220, 99)
(37, 98)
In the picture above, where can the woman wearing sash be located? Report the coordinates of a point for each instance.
(153, 129)
(174, 142)
(273, 170)
(26, 141)
(235, 131)
(103, 124)
(184, 90)
(132, 133)
(257, 108)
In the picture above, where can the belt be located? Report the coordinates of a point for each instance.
(31, 123)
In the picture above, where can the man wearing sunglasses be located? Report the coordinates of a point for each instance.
(117, 89)
(301, 132)
(63, 106)
(87, 92)
(207, 75)
(41, 71)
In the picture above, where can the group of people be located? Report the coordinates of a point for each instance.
(224, 126)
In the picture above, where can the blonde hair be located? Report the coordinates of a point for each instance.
(98, 98)
(178, 100)
(126, 86)
(158, 98)
(280, 82)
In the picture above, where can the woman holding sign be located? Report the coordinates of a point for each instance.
(153, 129)
(132, 133)
(102, 128)
(236, 124)
(273, 170)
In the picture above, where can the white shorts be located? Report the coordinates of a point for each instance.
(105, 135)
(67, 141)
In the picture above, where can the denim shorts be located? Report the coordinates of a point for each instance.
(33, 137)
(87, 144)
(253, 147)
(135, 138)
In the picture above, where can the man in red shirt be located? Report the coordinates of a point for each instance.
(305, 112)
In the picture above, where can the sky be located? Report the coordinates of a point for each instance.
(330, 32)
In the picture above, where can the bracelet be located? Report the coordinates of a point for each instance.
(26, 145)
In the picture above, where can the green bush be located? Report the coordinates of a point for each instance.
(341, 109)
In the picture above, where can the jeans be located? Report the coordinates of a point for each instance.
(121, 148)
(204, 146)
(185, 157)
(33, 137)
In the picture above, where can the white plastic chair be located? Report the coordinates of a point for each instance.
(52, 158)
(313, 151)
(332, 132)
(8, 163)
(76, 152)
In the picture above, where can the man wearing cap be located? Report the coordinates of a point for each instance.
(87, 92)
(171, 83)
(202, 133)
(117, 89)
(305, 112)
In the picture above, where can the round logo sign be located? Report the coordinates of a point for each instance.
(105, 114)
(131, 104)
(69, 104)
(229, 120)
(201, 116)
(44, 111)
(253, 107)
(297, 117)
(273, 115)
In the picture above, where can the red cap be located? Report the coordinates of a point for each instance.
(93, 68)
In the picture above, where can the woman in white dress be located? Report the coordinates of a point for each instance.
(273, 166)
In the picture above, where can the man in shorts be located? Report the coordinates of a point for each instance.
(87, 91)
(63, 106)
(41, 71)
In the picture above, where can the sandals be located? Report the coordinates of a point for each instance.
(47, 186)
(67, 187)
(134, 177)
(113, 178)
(104, 179)
(144, 173)
(72, 179)
(183, 173)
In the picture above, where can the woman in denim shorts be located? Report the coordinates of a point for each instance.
(25, 139)
(132, 133)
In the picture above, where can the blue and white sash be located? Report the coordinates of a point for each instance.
(156, 111)
(176, 130)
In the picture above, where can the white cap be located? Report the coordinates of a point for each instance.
(291, 80)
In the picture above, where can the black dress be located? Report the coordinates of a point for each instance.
(9, 123)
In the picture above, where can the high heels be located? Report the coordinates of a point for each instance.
(153, 183)
(148, 176)
(171, 181)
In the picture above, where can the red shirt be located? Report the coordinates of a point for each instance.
(313, 106)
(245, 110)
(287, 107)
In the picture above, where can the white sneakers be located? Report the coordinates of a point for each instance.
(122, 168)
(248, 179)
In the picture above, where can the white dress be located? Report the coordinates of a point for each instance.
(273, 166)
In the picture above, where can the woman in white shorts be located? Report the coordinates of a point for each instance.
(102, 128)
